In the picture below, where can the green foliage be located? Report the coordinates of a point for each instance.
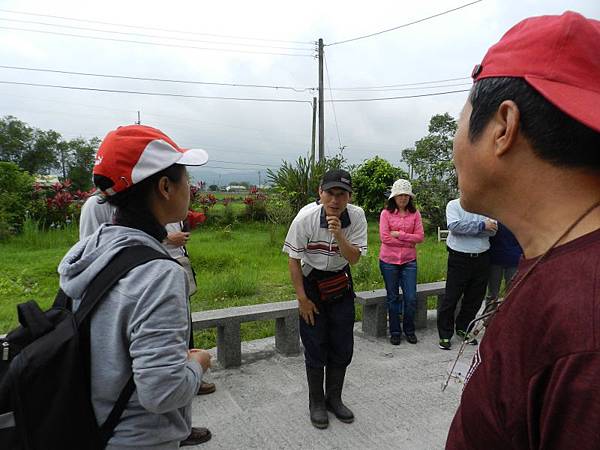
(279, 210)
(299, 182)
(213, 187)
(431, 162)
(241, 266)
(16, 189)
(371, 180)
(81, 162)
(42, 151)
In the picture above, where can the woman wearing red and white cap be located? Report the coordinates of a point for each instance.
(141, 327)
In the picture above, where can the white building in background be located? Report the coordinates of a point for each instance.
(235, 188)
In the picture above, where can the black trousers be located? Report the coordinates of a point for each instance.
(330, 341)
(467, 278)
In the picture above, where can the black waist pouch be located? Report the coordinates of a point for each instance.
(331, 286)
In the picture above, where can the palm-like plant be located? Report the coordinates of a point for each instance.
(299, 182)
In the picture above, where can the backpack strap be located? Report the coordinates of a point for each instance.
(108, 427)
(124, 261)
(117, 268)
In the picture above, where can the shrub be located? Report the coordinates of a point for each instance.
(370, 182)
(16, 188)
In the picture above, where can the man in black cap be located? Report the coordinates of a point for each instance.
(321, 244)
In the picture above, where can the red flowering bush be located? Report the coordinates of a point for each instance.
(195, 218)
(256, 205)
(58, 204)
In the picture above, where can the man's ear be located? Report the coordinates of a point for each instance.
(506, 127)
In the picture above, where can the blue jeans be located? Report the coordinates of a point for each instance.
(402, 276)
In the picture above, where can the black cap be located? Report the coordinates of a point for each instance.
(336, 178)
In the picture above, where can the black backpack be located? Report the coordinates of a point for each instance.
(45, 394)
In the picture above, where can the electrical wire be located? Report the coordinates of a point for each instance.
(131, 41)
(332, 104)
(153, 36)
(403, 25)
(160, 94)
(150, 28)
(415, 88)
(403, 84)
(162, 80)
(432, 94)
(243, 162)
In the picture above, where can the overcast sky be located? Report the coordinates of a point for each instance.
(250, 134)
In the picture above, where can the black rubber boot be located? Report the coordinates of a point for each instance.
(334, 384)
(316, 398)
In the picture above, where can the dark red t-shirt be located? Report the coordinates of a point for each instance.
(536, 374)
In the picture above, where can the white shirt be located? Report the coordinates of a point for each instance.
(93, 214)
(309, 239)
(174, 251)
(467, 230)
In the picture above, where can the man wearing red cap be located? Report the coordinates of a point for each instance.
(527, 152)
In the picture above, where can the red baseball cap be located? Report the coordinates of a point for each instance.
(559, 56)
(132, 153)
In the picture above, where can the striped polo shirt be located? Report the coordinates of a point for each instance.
(309, 239)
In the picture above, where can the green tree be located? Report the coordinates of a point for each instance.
(431, 164)
(298, 182)
(15, 138)
(81, 162)
(213, 188)
(42, 155)
(16, 189)
(371, 180)
(32, 149)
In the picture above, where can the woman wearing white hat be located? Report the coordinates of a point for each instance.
(400, 229)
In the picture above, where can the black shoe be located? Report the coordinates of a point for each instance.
(197, 436)
(411, 339)
(445, 344)
(316, 398)
(334, 383)
(395, 339)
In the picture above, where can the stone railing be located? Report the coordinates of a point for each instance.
(227, 321)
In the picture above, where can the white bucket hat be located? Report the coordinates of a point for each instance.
(401, 187)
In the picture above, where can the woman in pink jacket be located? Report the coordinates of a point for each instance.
(400, 229)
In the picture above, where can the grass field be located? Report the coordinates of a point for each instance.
(236, 265)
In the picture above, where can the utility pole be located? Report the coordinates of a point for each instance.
(138, 121)
(258, 180)
(314, 128)
(321, 111)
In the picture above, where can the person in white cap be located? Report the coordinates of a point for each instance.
(400, 229)
(144, 320)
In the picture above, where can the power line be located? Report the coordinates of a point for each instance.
(160, 94)
(243, 162)
(432, 94)
(403, 25)
(403, 84)
(131, 41)
(162, 80)
(151, 28)
(415, 88)
(153, 36)
(332, 104)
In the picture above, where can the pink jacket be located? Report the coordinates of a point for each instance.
(399, 250)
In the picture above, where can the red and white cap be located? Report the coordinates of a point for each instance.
(559, 56)
(132, 153)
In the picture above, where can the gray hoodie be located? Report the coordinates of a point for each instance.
(141, 325)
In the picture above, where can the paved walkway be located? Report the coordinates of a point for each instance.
(394, 392)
